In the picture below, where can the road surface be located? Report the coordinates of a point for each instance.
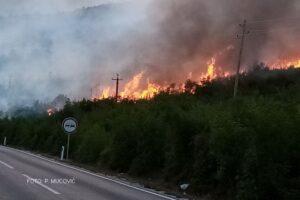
(25, 176)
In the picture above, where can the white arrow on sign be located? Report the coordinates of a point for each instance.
(70, 125)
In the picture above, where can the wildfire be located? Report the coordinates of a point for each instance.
(284, 64)
(132, 89)
(137, 88)
(50, 111)
(211, 70)
(152, 90)
(105, 93)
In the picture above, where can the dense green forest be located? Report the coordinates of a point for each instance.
(232, 148)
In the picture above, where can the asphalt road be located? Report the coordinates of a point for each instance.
(25, 176)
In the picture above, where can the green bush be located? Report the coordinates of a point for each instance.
(244, 148)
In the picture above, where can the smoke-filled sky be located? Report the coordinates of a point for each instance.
(46, 6)
(44, 53)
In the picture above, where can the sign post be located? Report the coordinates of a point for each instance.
(70, 126)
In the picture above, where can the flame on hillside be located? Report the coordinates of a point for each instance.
(142, 87)
(50, 111)
(285, 63)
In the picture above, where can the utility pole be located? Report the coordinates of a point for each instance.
(117, 86)
(237, 77)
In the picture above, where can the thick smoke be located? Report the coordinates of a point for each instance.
(192, 31)
(43, 55)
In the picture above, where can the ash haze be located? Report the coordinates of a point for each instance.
(46, 6)
(45, 53)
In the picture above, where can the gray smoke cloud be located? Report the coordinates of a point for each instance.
(43, 55)
(47, 6)
(192, 31)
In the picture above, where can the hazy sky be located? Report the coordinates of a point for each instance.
(45, 6)
(169, 40)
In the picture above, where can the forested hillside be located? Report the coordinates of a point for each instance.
(242, 148)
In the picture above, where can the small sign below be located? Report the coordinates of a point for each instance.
(70, 125)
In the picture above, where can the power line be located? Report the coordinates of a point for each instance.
(274, 20)
(290, 29)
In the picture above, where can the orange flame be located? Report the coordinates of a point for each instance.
(136, 88)
(151, 91)
(131, 88)
(211, 69)
(50, 112)
(285, 63)
(105, 93)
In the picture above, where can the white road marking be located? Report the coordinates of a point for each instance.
(42, 185)
(7, 165)
(90, 173)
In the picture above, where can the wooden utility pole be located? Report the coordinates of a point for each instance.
(117, 86)
(237, 77)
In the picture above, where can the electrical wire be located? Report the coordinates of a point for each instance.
(274, 20)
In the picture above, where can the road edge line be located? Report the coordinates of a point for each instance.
(7, 165)
(93, 174)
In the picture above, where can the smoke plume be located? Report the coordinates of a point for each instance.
(44, 53)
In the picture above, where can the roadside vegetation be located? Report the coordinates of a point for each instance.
(244, 148)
